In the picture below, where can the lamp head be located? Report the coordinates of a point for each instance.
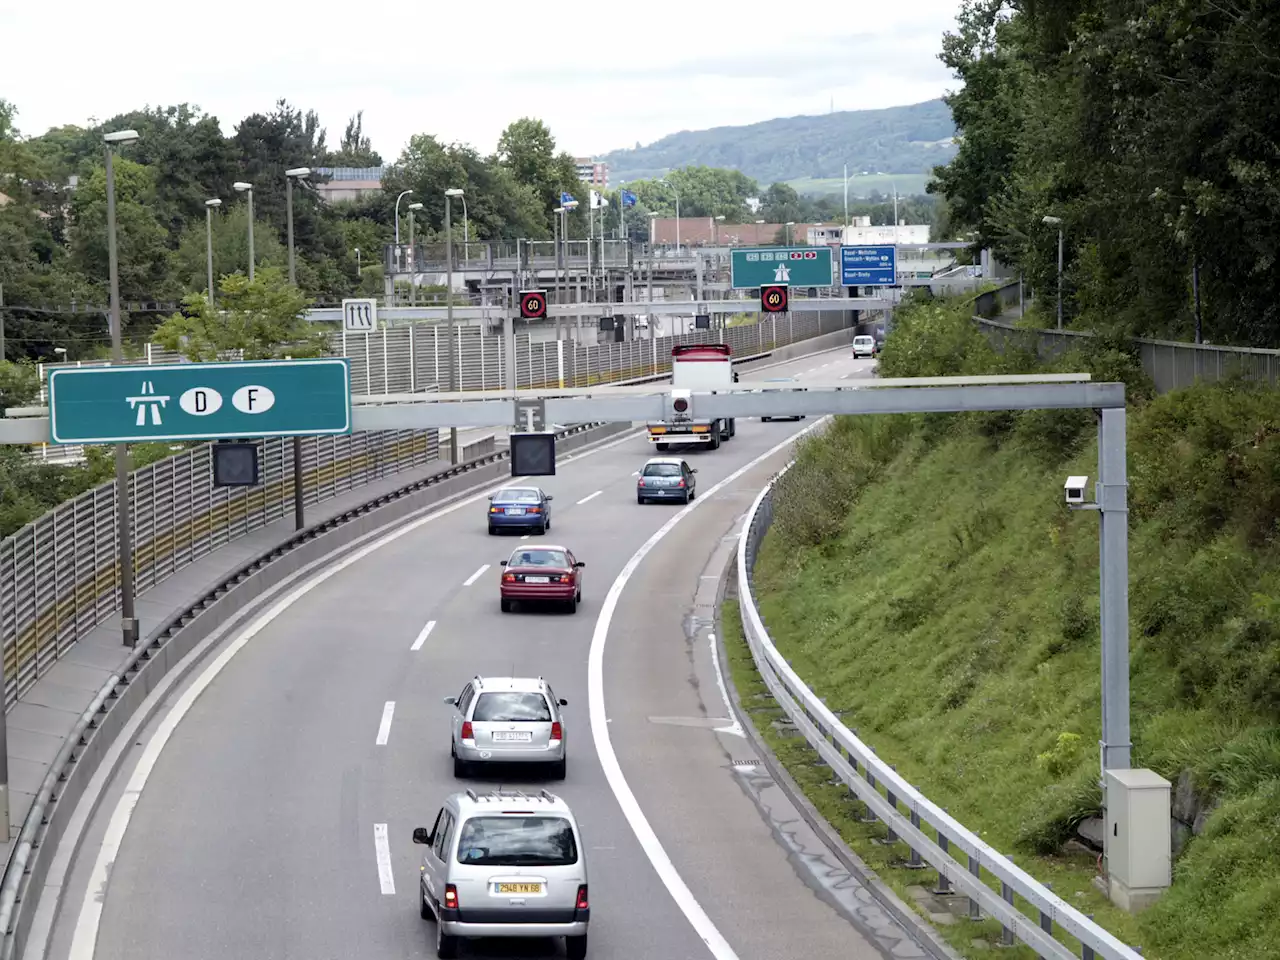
(120, 137)
(240, 186)
(453, 192)
(415, 206)
(213, 203)
(298, 172)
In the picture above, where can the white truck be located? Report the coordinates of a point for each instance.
(695, 368)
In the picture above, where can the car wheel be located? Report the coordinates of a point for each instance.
(575, 948)
(662, 447)
(548, 523)
(687, 498)
(423, 910)
(571, 606)
(542, 530)
(765, 419)
(460, 768)
(505, 604)
(559, 768)
(446, 946)
(492, 530)
(639, 499)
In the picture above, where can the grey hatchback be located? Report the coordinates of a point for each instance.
(666, 478)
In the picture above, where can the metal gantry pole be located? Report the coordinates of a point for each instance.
(128, 617)
(1113, 486)
(208, 226)
(1059, 278)
(288, 215)
(299, 490)
(453, 340)
(251, 257)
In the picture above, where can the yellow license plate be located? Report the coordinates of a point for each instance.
(519, 888)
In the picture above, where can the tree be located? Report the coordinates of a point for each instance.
(230, 249)
(141, 239)
(355, 150)
(264, 317)
(528, 150)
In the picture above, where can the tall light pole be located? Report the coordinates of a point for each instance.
(247, 189)
(790, 235)
(453, 340)
(1057, 222)
(677, 193)
(846, 197)
(715, 230)
(128, 617)
(297, 173)
(403, 194)
(299, 480)
(413, 258)
(209, 207)
(466, 227)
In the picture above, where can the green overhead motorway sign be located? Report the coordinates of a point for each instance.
(200, 401)
(794, 266)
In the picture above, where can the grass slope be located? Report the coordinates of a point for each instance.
(924, 577)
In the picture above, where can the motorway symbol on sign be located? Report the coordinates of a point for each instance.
(359, 316)
(796, 266)
(869, 266)
(531, 415)
(533, 304)
(773, 298)
(214, 401)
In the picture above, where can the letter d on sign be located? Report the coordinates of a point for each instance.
(200, 401)
(253, 399)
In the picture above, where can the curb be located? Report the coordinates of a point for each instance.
(924, 935)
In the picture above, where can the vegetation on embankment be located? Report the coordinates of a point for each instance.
(925, 578)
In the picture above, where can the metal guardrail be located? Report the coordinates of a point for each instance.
(865, 773)
(33, 839)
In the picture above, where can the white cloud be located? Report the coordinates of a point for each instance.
(600, 77)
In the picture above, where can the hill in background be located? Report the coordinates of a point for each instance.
(809, 152)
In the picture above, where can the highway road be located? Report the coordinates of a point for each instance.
(254, 802)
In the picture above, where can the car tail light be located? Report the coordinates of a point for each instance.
(533, 510)
(681, 483)
(467, 732)
(508, 578)
(557, 731)
(641, 481)
(583, 903)
(451, 896)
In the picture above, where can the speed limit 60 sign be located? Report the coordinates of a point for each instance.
(773, 298)
(533, 304)
(360, 316)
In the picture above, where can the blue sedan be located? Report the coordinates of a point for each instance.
(525, 508)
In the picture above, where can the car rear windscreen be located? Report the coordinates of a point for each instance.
(539, 558)
(662, 470)
(517, 496)
(517, 842)
(511, 708)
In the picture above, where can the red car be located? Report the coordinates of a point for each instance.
(539, 574)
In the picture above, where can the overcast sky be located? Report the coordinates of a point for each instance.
(625, 73)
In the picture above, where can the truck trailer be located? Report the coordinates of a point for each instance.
(695, 368)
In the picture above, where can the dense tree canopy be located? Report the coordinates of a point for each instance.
(1150, 130)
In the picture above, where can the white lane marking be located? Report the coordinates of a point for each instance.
(475, 576)
(733, 726)
(662, 865)
(526, 536)
(590, 496)
(89, 920)
(383, 851)
(422, 637)
(384, 728)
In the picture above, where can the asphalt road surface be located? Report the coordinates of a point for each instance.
(254, 837)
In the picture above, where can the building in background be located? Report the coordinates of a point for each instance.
(705, 232)
(348, 183)
(862, 234)
(594, 172)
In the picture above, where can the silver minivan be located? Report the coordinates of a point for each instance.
(507, 720)
(504, 864)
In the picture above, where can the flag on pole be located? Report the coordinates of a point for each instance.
(566, 199)
(628, 198)
(595, 200)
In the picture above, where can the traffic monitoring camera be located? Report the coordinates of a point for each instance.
(1074, 488)
(773, 298)
(679, 405)
(533, 304)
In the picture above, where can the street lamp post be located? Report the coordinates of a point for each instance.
(128, 617)
(297, 173)
(403, 194)
(677, 193)
(1057, 222)
(790, 235)
(453, 340)
(247, 189)
(413, 258)
(209, 207)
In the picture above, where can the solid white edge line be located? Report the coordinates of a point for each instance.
(88, 922)
(422, 637)
(382, 852)
(667, 873)
(384, 727)
(590, 496)
(475, 576)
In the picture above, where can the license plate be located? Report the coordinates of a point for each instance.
(515, 511)
(522, 735)
(519, 888)
(537, 579)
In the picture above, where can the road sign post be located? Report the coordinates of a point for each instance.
(869, 266)
(200, 401)
(793, 266)
(359, 315)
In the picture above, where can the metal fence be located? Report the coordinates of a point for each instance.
(1171, 364)
(1027, 910)
(60, 575)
